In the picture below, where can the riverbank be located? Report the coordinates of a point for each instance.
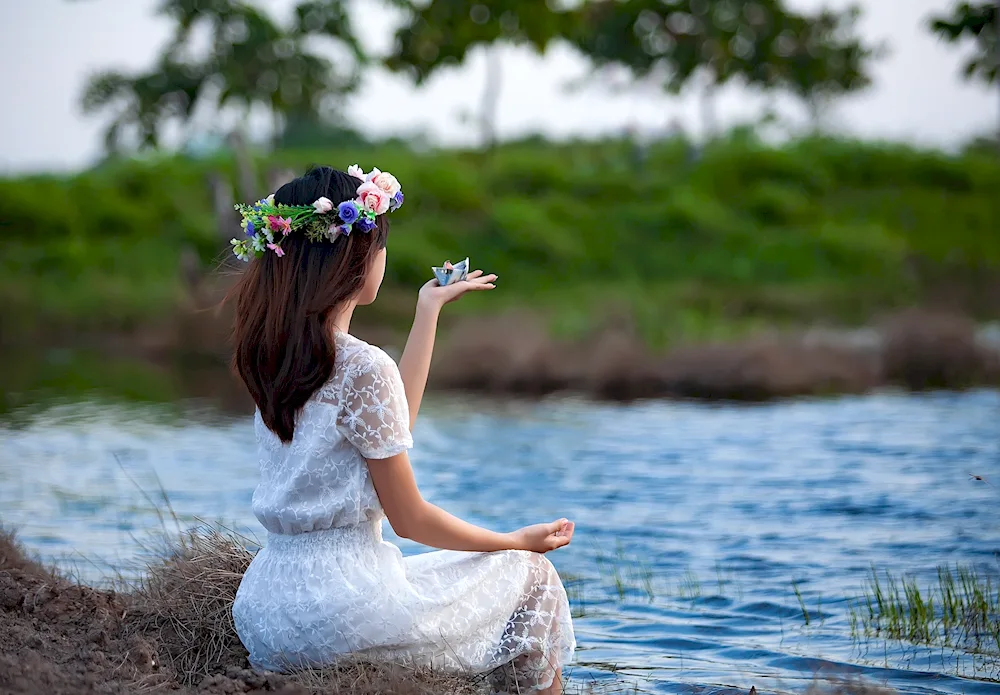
(914, 350)
(517, 355)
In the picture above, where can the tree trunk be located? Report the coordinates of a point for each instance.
(491, 96)
(709, 122)
(815, 105)
(277, 125)
(246, 176)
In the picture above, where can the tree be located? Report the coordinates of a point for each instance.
(669, 42)
(981, 23)
(251, 61)
(442, 32)
(819, 58)
(760, 43)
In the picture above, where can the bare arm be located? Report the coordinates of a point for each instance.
(415, 362)
(413, 517)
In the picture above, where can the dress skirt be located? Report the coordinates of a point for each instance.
(309, 599)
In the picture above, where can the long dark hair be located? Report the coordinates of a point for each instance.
(284, 347)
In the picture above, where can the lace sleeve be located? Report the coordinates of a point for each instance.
(372, 412)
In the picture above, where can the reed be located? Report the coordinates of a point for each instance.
(961, 610)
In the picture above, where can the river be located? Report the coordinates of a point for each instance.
(696, 524)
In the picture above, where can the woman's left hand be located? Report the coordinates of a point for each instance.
(435, 296)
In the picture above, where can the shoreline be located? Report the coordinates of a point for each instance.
(516, 355)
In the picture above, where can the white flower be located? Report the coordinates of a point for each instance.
(270, 199)
(356, 171)
(387, 182)
(323, 206)
(372, 174)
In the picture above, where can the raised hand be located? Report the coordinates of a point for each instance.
(435, 296)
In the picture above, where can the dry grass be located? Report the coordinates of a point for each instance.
(366, 678)
(182, 605)
(184, 602)
(14, 559)
(848, 686)
(926, 350)
(515, 354)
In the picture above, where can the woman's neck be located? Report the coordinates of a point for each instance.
(341, 321)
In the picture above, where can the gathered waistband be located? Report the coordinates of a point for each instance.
(363, 533)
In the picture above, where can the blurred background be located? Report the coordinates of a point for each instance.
(692, 205)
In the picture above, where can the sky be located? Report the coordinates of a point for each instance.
(52, 46)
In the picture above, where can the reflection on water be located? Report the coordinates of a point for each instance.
(695, 523)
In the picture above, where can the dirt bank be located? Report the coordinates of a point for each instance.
(517, 355)
(171, 633)
(914, 350)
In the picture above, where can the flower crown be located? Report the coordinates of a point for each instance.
(267, 223)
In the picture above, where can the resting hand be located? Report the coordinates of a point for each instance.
(541, 538)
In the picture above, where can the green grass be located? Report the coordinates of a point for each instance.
(802, 603)
(961, 610)
(627, 575)
(747, 236)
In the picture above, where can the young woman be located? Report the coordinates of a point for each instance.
(333, 423)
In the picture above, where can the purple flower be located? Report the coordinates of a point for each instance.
(397, 201)
(344, 229)
(250, 229)
(348, 212)
(365, 224)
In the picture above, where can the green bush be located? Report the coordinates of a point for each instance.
(740, 233)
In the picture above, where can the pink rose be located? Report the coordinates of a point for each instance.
(370, 176)
(323, 206)
(387, 182)
(356, 171)
(371, 197)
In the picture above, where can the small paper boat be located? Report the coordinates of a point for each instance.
(448, 276)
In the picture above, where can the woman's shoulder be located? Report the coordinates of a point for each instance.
(359, 365)
(355, 356)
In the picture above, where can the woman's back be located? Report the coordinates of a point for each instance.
(320, 479)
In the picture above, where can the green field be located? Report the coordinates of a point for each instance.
(688, 245)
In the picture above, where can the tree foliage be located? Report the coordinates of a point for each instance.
(980, 23)
(251, 60)
(761, 43)
(442, 32)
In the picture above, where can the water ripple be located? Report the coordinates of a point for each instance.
(693, 521)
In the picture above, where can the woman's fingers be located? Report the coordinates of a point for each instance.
(474, 274)
(567, 531)
(480, 282)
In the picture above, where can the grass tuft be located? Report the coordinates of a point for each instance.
(960, 611)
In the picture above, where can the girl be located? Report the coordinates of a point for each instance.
(333, 423)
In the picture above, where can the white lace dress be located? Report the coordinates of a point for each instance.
(326, 584)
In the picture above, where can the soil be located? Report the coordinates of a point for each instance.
(61, 638)
(58, 637)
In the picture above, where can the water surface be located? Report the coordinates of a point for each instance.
(693, 521)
